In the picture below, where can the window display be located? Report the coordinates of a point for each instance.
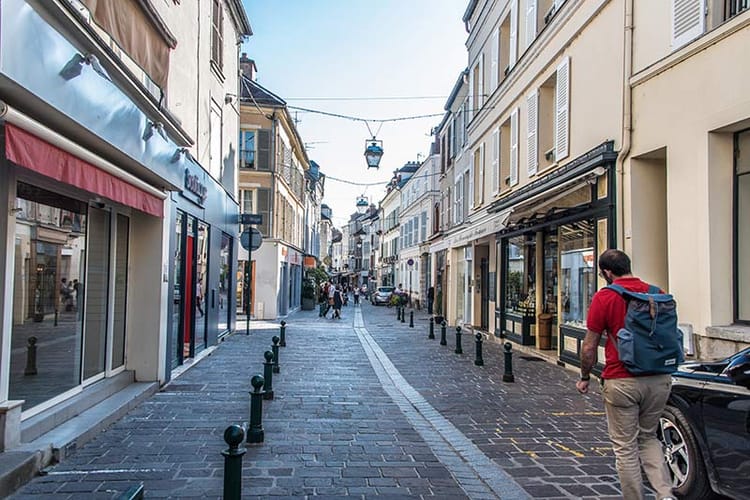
(577, 265)
(520, 276)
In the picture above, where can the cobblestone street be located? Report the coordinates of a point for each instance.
(364, 407)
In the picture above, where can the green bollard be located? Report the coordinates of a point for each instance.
(479, 361)
(268, 375)
(432, 328)
(443, 341)
(282, 341)
(233, 436)
(411, 319)
(508, 375)
(275, 350)
(458, 350)
(255, 434)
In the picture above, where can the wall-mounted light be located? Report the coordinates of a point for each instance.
(148, 133)
(74, 66)
(229, 98)
(179, 152)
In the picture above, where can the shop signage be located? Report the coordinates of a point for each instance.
(255, 219)
(195, 186)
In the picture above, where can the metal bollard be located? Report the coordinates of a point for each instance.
(398, 313)
(268, 375)
(31, 357)
(275, 350)
(411, 319)
(432, 328)
(255, 433)
(403, 314)
(442, 334)
(233, 436)
(458, 341)
(55, 317)
(282, 335)
(479, 361)
(508, 375)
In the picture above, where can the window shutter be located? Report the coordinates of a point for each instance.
(264, 149)
(514, 147)
(562, 103)
(480, 86)
(470, 97)
(688, 21)
(513, 35)
(264, 208)
(531, 122)
(530, 21)
(470, 194)
(496, 160)
(493, 59)
(480, 181)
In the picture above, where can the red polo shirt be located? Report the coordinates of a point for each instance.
(607, 316)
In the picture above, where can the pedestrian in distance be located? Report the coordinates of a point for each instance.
(331, 291)
(337, 302)
(633, 404)
(356, 296)
(430, 299)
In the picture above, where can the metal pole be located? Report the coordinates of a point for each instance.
(508, 374)
(255, 433)
(432, 328)
(248, 268)
(233, 436)
(458, 350)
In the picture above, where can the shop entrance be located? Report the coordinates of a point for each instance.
(484, 272)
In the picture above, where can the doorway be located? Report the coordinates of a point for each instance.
(484, 273)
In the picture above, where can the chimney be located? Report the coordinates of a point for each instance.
(248, 68)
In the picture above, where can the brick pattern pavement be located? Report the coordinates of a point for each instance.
(373, 411)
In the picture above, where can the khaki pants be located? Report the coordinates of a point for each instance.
(633, 407)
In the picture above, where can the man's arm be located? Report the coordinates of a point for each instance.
(589, 351)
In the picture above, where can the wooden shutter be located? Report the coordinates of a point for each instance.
(532, 116)
(494, 51)
(264, 208)
(513, 35)
(562, 111)
(480, 86)
(264, 149)
(514, 147)
(496, 160)
(530, 21)
(688, 21)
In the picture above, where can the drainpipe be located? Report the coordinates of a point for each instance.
(627, 120)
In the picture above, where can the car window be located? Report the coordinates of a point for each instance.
(385, 289)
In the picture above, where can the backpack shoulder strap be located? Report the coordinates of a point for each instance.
(617, 288)
(653, 289)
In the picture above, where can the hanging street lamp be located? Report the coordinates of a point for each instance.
(373, 152)
(362, 204)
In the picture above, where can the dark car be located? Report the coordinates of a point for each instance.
(705, 429)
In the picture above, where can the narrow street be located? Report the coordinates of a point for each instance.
(364, 407)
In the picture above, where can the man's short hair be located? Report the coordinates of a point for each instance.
(615, 261)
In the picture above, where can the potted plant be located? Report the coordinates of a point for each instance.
(308, 295)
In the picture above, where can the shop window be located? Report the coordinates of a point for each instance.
(520, 275)
(96, 295)
(742, 226)
(225, 281)
(49, 272)
(247, 149)
(578, 272)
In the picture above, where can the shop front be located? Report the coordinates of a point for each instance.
(547, 254)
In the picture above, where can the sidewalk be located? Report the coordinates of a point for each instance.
(364, 407)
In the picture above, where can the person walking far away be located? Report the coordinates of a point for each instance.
(430, 299)
(356, 295)
(337, 302)
(633, 404)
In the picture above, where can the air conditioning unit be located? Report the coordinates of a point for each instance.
(549, 155)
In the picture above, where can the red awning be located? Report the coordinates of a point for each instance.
(29, 151)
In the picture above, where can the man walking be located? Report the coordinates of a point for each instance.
(633, 404)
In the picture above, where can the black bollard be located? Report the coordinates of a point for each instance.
(268, 375)
(508, 375)
(282, 341)
(233, 436)
(31, 357)
(255, 434)
(458, 341)
(403, 314)
(55, 317)
(275, 350)
(432, 328)
(479, 361)
(398, 313)
(411, 319)
(443, 341)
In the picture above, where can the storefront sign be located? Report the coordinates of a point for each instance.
(195, 186)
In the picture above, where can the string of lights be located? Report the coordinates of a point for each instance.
(359, 119)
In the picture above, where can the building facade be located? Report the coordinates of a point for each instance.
(118, 198)
(273, 173)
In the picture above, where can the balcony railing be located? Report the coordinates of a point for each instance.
(734, 7)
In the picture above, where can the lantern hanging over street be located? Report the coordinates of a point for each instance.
(362, 204)
(373, 152)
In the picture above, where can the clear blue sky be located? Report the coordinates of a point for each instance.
(323, 49)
